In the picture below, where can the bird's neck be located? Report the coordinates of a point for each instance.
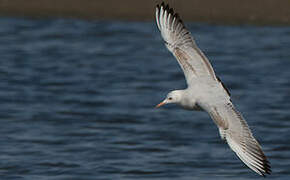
(187, 100)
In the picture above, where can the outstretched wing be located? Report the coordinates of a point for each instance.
(180, 42)
(234, 129)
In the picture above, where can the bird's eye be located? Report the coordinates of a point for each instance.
(170, 98)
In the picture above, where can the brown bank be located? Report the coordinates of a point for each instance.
(271, 12)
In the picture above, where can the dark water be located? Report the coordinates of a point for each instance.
(77, 98)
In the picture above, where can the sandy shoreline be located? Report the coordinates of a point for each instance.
(269, 12)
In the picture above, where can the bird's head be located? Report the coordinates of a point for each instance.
(172, 97)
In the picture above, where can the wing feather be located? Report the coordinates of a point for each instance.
(180, 42)
(239, 137)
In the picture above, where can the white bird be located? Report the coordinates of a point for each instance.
(206, 92)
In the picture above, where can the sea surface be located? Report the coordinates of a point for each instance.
(77, 101)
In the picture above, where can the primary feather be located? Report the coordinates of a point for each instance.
(179, 41)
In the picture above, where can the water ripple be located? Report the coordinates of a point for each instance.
(77, 101)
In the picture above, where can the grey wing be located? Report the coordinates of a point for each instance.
(235, 130)
(180, 42)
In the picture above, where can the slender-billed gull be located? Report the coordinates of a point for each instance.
(206, 92)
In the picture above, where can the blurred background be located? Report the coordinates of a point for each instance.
(222, 11)
(79, 81)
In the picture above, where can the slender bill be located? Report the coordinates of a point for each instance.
(160, 104)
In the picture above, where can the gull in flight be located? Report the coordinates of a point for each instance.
(206, 92)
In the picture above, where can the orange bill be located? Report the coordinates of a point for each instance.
(160, 104)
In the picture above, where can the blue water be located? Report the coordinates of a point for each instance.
(77, 101)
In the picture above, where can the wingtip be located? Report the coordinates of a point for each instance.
(266, 165)
(167, 7)
(267, 168)
(170, 24)
(169, 10)
(157, 6)
(164, 6)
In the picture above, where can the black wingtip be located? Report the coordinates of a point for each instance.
(267, 167)
(171, 11)
(167, 8)
(157, 6)
(176, 15)
(164, 5)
